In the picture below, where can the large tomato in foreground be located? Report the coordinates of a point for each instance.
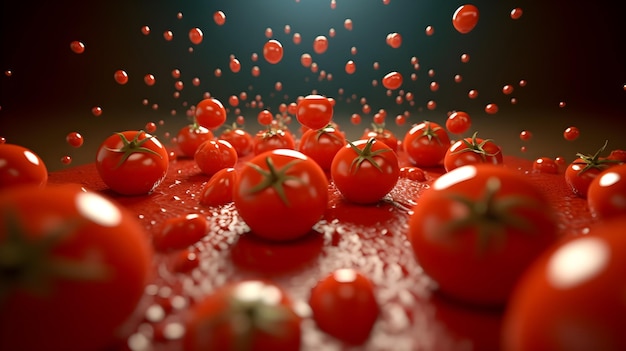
(281, 194)
(132, 162)
(73, 266)
(477, 229)
(573, 296)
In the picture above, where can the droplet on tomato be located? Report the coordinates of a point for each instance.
(465, 18)
(392, 80)
(77, 47)
(273, 51)
(121, 77)
(571, 133)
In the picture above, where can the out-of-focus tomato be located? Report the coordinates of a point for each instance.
(19, 165)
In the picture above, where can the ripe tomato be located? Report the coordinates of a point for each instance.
(413, 173)
(219, 189)
(322, 145)
(606, 195)
(365, 171)
(465, 18)
(214, 155)
(190, 137)
(545, 165)
(272, 139)
(240, 139)
(132, 162)
(458, 122)
(476, 230)
(314, 111)
(582, 171)
(344, 305)
(426, 144)
(79, 266)
(470, 151)
(572, 297)
(210, 113)
(383, 135)
(281, 194)
(19, 165)
(180, 232)
(246, 315)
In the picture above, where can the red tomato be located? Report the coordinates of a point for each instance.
(572, 297)
(426, 144)
(465, 18)
(365, 171)
(458, 122)
(132, 162)
(247, 315)
(413, 173)
(322, 145)
(190, 137)
(546, 165)
(219, 189)
(19, 165)
(606, 195)
(79, 268)
(281, 194)
(383, 135)
(476, 230)
(272, 139)
(344, 305)
(210, 113)
(314, 111)
(214, 155)
(240, 139)
(273, 51)
(180, 232)
(392, 80)
(470, 151)
(582, 171)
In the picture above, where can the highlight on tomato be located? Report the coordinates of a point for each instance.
(240, 139)
(210, 113)
(322, 145)
(365, 171)
(585, 168)
(21, 166)
(190, 137)
(281, 194)
(74, 266)
(465, 18)
(426, 144)
(132, 162)
(244, 315)
(606, 195)
(474, 150)
(215, 155)
(314, 111)
(477, 229)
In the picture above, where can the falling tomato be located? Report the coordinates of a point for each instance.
(465, 18)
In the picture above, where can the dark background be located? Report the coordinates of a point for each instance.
(566, 51)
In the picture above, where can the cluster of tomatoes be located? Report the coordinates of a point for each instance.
(484, 233)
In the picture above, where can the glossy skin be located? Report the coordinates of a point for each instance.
(210, 113)
(19, 165)
(426, 144)
(476, 230)
(219, 189)
(132, 162)
(469, 151)
(314, 111)
(273, 51)
(190, 137)
(180, 232)
(272, 139)
(261, 306)
(606, 195)
(322, 145)
(572, 297)
(465, 18)
(383, 135)
(84, 264)
(458, 122)
(241, 140)
(365, 171)
(344, 305)
(582, 171)
(214, 155)
(281, 194)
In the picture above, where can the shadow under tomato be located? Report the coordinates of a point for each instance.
(364, 215)
(256, 254)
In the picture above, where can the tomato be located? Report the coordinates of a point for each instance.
(273, 51)
(314, 111)
(365, 171)
(180, 232)
(210, 113)
(392, 80)
(476, 230)
(322, 145)
(272, 139)
(545, 165)
(606, 195)
(19, 165)
(281, 194)
(465, 18)
(458, 122)
(219, 189)
(572, 297)
(383, 135)
(78, 268)
(470, 151)
(214, 155)
(582, 171)
(246, 315)
(413, 173)
(132, 162)
(344, 305)
(426, 144)
(190, 137)
(240, 139)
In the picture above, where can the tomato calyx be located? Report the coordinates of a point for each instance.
(473, 145)
(430, 132)
(274, 178)
(490, 216)
(365, 154)
(329, 131)
(133, 146)
(31, 265)
(594, 161)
